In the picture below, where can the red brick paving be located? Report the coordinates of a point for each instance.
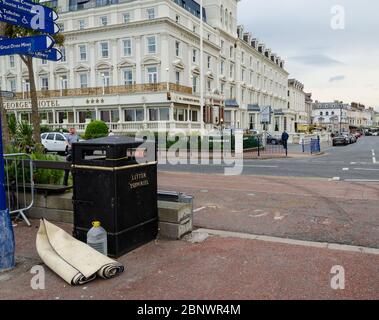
(219, 268)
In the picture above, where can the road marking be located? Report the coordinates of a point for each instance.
(366, 169)
(199, 209)
(345, 169)
(335, 179)
(315, 244)
(373, 156)
(361, 180)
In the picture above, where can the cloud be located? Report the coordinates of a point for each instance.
(316, 60)
(337, 78)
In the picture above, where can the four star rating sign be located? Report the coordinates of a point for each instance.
(33, 16)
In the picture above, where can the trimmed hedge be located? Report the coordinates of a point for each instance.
(96, 129)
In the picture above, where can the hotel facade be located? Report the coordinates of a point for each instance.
(136, 66)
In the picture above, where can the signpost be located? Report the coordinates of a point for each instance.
(29, 15)
(51, 55)
(29, 7)
(7, 94)
(26, 45)
(28, 20)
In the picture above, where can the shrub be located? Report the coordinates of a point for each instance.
(47, 176)
(96, 129)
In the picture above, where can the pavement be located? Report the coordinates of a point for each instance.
(218, 268)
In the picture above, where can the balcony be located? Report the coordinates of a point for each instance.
(110, 90)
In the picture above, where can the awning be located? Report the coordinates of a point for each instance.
(231, 103)
(253, 107)
(279, 112)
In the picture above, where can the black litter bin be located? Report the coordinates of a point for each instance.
(115, 182)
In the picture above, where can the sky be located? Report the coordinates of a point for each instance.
(332, 46)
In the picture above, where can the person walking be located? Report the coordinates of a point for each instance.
(285, 138)
(71, 138)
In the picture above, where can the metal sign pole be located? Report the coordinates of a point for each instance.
(7, 243)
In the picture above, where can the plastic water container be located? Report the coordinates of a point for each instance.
(97, 238)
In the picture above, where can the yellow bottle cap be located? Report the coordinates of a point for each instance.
(96, 224)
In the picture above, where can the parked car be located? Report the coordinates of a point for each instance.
(340, 140)
(54, 142)
(376, 134)
(273, 140)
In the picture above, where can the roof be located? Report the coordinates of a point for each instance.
(231, 103)
(253, 107)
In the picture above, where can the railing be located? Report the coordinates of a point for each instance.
(98, 91)
(135, 126)
(19, 184)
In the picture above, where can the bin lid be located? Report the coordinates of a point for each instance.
(112, 140)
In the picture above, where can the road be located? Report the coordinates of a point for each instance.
(356, 162)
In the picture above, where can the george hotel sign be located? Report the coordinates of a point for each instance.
(26, 104)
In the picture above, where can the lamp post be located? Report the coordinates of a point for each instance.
(201, 69)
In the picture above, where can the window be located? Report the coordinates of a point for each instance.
(59, 137)
(127, 46)
(222, 67)
(321, 113)
(82, 24)
(128, 76)
(63, 82)
(194, 114)
(177, 77)
(152, 74)
(44, 83)
(194, 55)
(231, 52)
(63, 52)
(222, 45)
(243, 75)
(222, 87)
(150, 13)
(243, 57)
(132, 115)
(127, 17)
(105, 79)
(104, 21)
(11, 61)
(82, 52)
(209, 61)
(177, 18)
(159, 114)
(50, 136)
(177, 48)
(209, 85)
(151, 45)
(109, 116)
(104, 50)
(83, 79)
(194, 84)
(12, 85)
(180, 115)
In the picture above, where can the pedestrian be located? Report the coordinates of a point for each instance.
(285, 138)
(110, 133)
(71, 138)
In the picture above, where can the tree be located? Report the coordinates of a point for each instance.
(3, 113)
(16, 32)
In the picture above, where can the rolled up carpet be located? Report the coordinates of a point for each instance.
(74, 261)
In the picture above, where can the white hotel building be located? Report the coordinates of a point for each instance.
(136, 65)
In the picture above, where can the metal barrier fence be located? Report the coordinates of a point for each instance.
(19, 184)
(311, 145)
(264, 146)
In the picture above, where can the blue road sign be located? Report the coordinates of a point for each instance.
(51, 55)
(29, 7)
(26, 45)
(28, 21)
